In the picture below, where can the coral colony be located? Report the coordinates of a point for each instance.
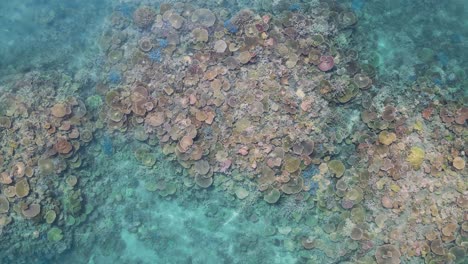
(244, 102)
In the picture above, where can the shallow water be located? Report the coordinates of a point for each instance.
(142, 131)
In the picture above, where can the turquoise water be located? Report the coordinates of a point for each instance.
(142, 131)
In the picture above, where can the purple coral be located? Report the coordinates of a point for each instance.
(326, 63)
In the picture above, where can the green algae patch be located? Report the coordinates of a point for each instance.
(55, 234)
(50, 216)
(272, 196)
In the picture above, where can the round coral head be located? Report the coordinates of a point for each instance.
(326, 63)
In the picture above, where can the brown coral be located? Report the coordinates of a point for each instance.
(202, 167)
(31, 211)
(155, 119)
(5, 122)
(437, 247)
(10, 191)
(18, 170)
(458, 163)
(200, 35)
(292, 164)
(22, 188)
(387, 254)
(293, 186)
(5, 178)
(244, 57)
(60, 110)
(203, 181)
(461, 115)
(387, 202)
(62, 146)
(185, 143)
(4, 204)
(389, 113)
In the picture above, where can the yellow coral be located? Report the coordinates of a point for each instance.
(337, 168)
(418, 126)
(395, 188)
(387, 138)
(416, 157)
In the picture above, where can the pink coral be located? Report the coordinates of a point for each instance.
(326, 63)
(243, 151)
(225, 165)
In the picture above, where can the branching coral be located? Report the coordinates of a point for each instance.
(144, 17)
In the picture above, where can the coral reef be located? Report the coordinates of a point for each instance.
(270, 119)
